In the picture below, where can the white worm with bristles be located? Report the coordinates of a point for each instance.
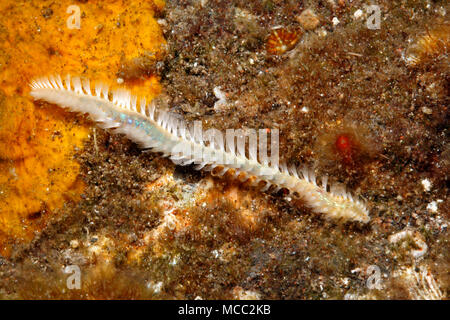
(160, 131)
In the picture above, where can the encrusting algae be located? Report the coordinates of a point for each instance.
(37, 142)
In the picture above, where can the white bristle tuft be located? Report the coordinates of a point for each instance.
(98, 90)
(143, 106)
(68, 83)
(324, 183)
(59, 82)
(52, 82)
(134, 103)
(87, 86)
(293, 171)
(77, 85)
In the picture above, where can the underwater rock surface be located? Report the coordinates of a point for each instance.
(366, 106)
